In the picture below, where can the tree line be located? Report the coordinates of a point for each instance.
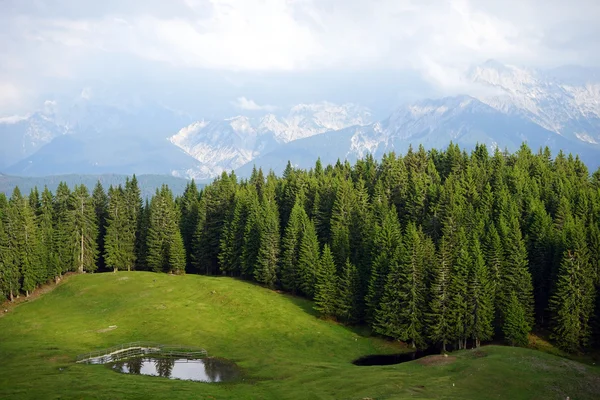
(430, 248)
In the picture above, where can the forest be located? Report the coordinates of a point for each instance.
(443, 248)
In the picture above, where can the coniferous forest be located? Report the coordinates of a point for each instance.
(443, 248)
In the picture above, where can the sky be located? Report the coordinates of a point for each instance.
(213, 57)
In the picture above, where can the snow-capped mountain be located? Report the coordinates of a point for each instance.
(24, 135)
(228, 144)
(558, 109)
(566, 101)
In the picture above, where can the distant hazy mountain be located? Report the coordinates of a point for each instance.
(89, 138)
(559, 109)
(231, 143)
(503, 106)
(147, 183)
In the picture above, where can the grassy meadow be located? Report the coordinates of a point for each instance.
(285, 351)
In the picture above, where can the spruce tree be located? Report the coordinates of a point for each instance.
(64, 238)
(386, 251)
(480, 295)
(292, 238)
(326, 287)
(515, 327)
(460, 312)
(348, 294)
(265, 271)
(86, 229)
(48, 256)
(440, 314)
(308, 261)
(115, 248)
(176, 250)
(402, 310)
(100, 204)
(162, 233)
(572, 303)
(340, 223)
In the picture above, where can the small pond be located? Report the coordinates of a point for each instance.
(202, 369)
(390, 359)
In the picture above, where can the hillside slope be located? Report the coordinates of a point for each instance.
(285, 351)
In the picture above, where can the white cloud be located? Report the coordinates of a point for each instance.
(82, 39)
(250, 105)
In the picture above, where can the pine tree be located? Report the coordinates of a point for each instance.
(386, 252)
(326, 288)
(308, 261)
(340, 223)
(100, 204)
(402, 310)
(572, 304)
(480, 295)
(23, 246)
(163, 232)
(86, 229)
(348, 295)
(265, 271)
(64, 238)
(292, 238)
(460, 313)
(45, 222)
(131, 233)
(189, 217)
(252, 234)
(176, 253)
(515, 327)
(440, 314)
(115, 248)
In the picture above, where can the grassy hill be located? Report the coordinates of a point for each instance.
(284, 350)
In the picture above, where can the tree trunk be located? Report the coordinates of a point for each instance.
(81, 256)
(12, 297)
(27, 293)
(443, 347)
(115, 270)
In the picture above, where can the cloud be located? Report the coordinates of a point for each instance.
(250, 105)
(65, 40)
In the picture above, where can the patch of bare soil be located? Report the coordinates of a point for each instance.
(8, 306)
(436, 360)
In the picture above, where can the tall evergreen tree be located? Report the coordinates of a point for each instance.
(480, 295)
(86, 229)
(515, 327)
(348, 294)
(402, 310)
(386, 252)
(292, 238)
(100, 204)
(308, 260)
(265, 270)
(572, 303)
(326, 288)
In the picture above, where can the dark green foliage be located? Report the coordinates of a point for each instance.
(85, 228)
(164, 238)
(290, 245)
(401, 314)
(386, 250)
(308, 261)
(326, 289)
(515, 327)
(348, 294)
(100, 203)
(491, 243)
(572, 302)
(265, 270)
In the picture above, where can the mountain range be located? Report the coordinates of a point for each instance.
(502, 107)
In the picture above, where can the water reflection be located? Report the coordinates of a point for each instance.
(202, 370)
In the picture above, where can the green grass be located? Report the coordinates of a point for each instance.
(283, 349)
